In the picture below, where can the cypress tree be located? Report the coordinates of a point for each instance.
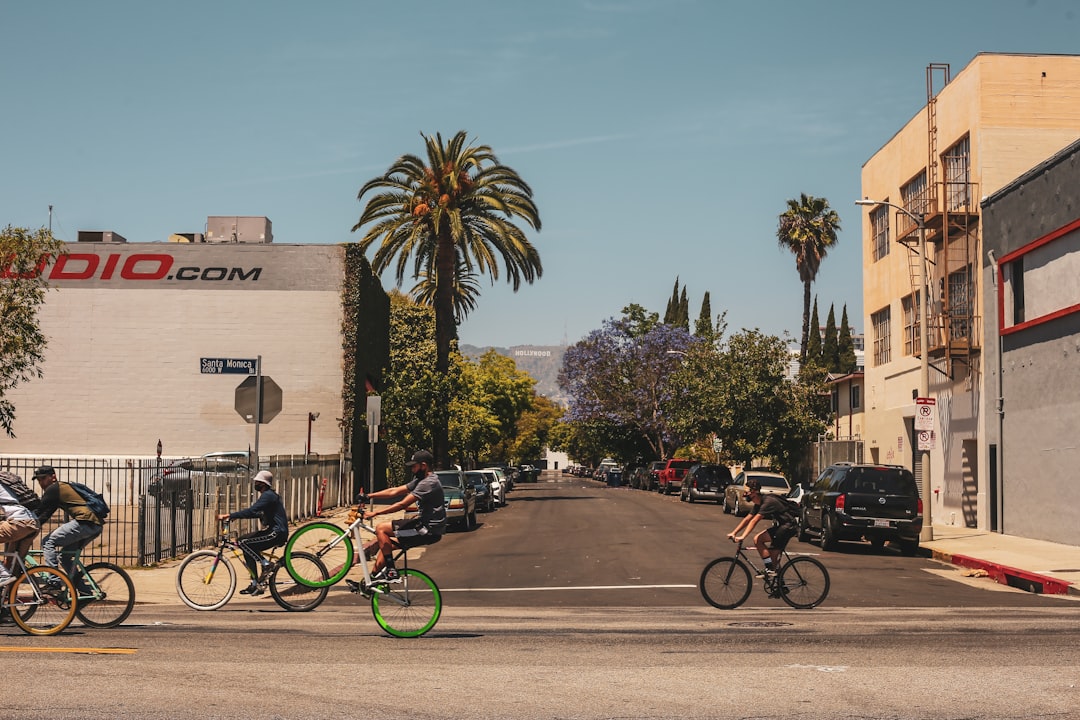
(671, 314)
(830, 353)
(846, 346)
(703, 328)
(813, 339)
(684, 311)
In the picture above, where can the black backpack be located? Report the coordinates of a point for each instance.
(22, 492)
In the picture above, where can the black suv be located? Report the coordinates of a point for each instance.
(878, 503)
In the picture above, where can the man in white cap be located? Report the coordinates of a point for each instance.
(274, 531)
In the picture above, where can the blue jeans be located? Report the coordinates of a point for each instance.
(71, 536)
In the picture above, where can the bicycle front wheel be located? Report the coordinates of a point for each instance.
(326, 541)
(294, 596)
(407, 608)
(804, 583)
(42, 601)
(725, 583)
(206, 580)
(109, 599)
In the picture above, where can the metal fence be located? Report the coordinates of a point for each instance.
(146, 527)
(826, 452)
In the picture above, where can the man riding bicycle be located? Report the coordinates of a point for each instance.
(770, 542)
(274, 531)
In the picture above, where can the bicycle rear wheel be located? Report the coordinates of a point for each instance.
(294, 596)
(408, 608)
(725, 583)
(206, 580)
(804, 583)
(111, 599)
(41, 601)
(326, 541)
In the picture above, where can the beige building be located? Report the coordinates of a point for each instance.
(980, 129)
(139, 335)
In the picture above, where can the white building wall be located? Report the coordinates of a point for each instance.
(128, 324)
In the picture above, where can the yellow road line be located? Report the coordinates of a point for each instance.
(88, 651)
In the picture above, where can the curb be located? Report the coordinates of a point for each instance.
(1013, 577)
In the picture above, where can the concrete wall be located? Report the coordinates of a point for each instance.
(128, 324)
(1040, 387)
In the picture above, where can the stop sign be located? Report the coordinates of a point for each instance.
(247, 399)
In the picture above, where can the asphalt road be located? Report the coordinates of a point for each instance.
(578, 601)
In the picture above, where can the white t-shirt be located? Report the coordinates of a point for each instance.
(11, 508)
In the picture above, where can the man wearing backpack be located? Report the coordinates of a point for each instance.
(769, 507)
(82, 524)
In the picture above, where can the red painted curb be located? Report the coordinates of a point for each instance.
(1032, 582)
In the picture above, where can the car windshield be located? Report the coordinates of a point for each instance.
(449, 479)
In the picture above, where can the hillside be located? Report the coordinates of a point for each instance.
(542, 362)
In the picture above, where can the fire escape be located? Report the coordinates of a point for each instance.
(948, 201)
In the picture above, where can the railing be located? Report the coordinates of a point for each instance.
(146, 527)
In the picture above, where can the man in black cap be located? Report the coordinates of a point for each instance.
(82, 524)
(427, 527)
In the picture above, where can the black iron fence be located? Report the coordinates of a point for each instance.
(156, 516)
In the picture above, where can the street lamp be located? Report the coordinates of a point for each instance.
(924, 357)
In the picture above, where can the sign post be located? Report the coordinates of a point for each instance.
(258, 400)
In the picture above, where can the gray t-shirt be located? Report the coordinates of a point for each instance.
(432, 501)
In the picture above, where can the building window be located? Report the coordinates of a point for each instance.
(960, 303)
(881, 320)
(912, 336)
(957, 164)
(914, 195)
(835, 399)
(879, 230)
(856, 400)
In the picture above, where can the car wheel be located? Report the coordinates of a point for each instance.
(909, 547)
(878, 544)
(804, 531)
(828, 534)
(689, 497)
(724, 505)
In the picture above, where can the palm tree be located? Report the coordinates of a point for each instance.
(466, 290)
(449, 212)
(807, 229)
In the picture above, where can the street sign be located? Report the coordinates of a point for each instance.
(924, 413)
(227, 366)
(717, 445)
(247, 399)
(926, 439)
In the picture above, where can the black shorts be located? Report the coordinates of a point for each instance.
(779, 535)
(412, 533)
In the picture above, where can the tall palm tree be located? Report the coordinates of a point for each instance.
(808, 230)
(450, 211)
(466, 290)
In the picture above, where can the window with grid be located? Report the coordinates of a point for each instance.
(856, 399)
(914, 196)
(882, 321)
(879, 229)
(912, 336)
(960, 303)
(957, 164)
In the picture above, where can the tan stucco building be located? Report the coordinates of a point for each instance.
(980, 129)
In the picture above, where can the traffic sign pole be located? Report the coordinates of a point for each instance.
(258, 406)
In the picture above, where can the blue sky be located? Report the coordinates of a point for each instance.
(661, 138)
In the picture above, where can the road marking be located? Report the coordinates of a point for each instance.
(568, 587)
(87, 651)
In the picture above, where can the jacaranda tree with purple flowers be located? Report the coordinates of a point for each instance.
(618, 376)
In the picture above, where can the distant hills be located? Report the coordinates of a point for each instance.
(542, 362)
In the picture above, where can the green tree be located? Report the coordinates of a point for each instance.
(534, 429)
(455, 208)
(830, 353)
(846, 346)
(813, 342)
(466, 290)
(684, 311)
(703, 327)
(496, 384)
(807, 229)
(24, 255)
(638, 320)
(671, 314)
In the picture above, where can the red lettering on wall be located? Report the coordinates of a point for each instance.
(110, 265)
(130, 271)
(60, 271)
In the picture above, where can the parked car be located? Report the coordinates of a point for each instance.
(460, 499)
(198, 475)
(637, 478)
(503, 484)
(877, 503)
(654, 474)
(671, 476)
(485, 494)
(705, 482)
(771, 484)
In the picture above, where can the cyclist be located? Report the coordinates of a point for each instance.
(427, 527)
(18, 528)
(273, 533)
(769, 507)
(81, 527)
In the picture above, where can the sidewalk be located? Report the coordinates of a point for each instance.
(1033, 565)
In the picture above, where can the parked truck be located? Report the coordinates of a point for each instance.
(670, 478)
